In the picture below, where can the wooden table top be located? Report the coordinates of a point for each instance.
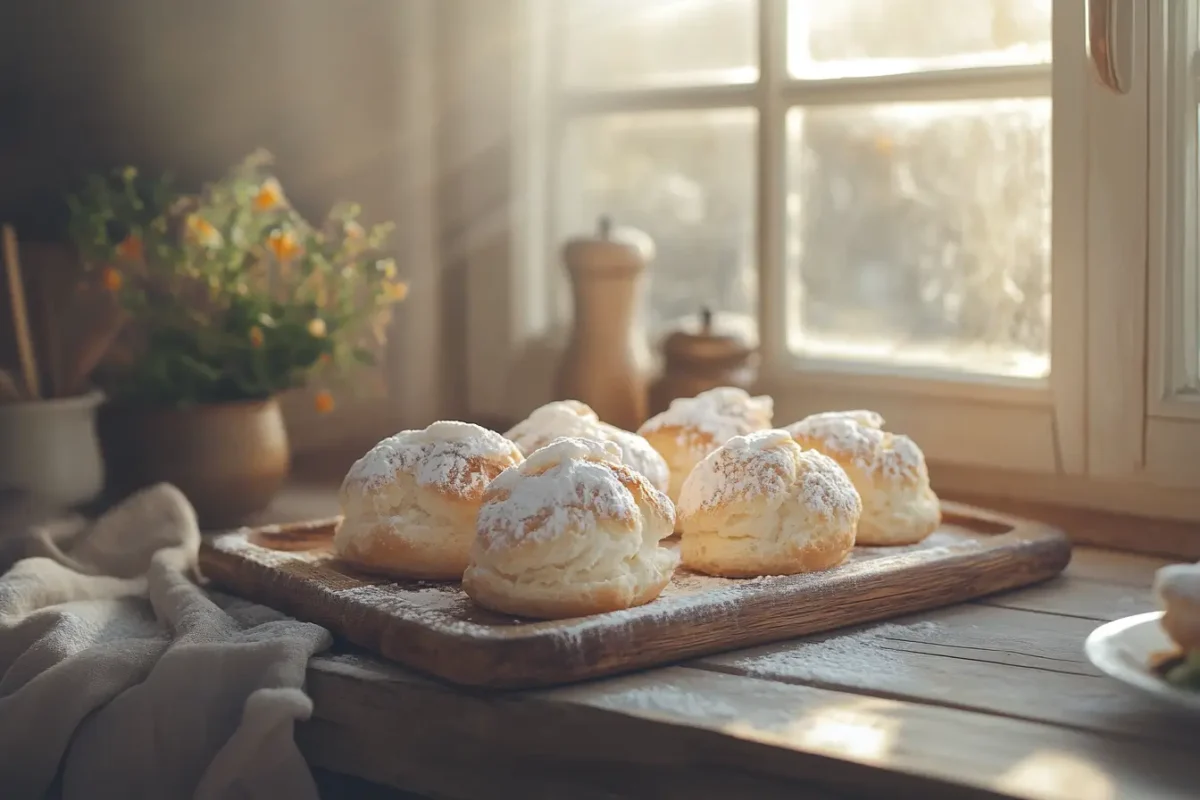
(989, 699)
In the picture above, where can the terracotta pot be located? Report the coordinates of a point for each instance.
(229, 459)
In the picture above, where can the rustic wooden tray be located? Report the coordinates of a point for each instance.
(435, 628)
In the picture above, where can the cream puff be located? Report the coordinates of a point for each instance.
(573, 419)
(692, 427)
(762, 505)
(570, 531)
(409, 505)
(889, 471)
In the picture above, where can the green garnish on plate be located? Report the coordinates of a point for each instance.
(1185, 672)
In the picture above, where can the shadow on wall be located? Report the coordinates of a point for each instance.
(192, 87)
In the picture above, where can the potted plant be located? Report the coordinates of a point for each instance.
(232, 297)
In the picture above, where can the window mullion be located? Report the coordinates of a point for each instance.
(775, 289)
(975, 83)
(660, 98)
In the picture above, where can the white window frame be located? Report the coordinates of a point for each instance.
(1173, 332)
(1097, 432)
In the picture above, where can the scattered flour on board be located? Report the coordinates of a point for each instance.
(567, 485)
(720, 414)
(433, 607)
(428, 599)
(458, 457)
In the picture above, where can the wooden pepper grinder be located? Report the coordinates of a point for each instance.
(603, 363)
(696, 362)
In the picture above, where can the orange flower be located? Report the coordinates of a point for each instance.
(323, 402)
(270, 195)
(130, 248)
(316, 328)
(256, 336)
(395, 291)
(111, 278)
(203, 232)
(283, 244)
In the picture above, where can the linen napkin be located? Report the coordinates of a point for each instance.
(121, 677)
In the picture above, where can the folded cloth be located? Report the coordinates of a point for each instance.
(120, 677)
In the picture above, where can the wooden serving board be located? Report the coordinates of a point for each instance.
(435, 628)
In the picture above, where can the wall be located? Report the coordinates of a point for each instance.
(190, 87)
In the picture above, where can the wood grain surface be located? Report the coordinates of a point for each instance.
(435, 628)
(921, 723)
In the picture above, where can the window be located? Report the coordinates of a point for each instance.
(881, 117)
(933, 208)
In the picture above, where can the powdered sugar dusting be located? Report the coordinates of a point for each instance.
(456, 457)
(857, 437)
(573, 419)
(762, 463)
(560, 419)
(826, 489)
(719, 414)
(569, 484)
(770, 463)
(639, 455)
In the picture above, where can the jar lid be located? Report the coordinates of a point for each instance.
(704, 342)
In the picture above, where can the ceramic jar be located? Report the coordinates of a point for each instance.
(49, 449)
(701, 359)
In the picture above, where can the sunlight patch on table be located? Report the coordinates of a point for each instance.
(861, 730)
(1057, 775)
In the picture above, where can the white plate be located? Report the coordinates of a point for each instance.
(1123, 649)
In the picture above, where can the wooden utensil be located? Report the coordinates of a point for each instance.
(20, 312)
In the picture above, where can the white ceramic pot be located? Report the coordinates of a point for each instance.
(49, 449)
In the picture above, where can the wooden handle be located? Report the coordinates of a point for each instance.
(20, 312)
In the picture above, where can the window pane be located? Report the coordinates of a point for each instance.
(845, 38)
(638, 43)
(921, 233)
(686, 179)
